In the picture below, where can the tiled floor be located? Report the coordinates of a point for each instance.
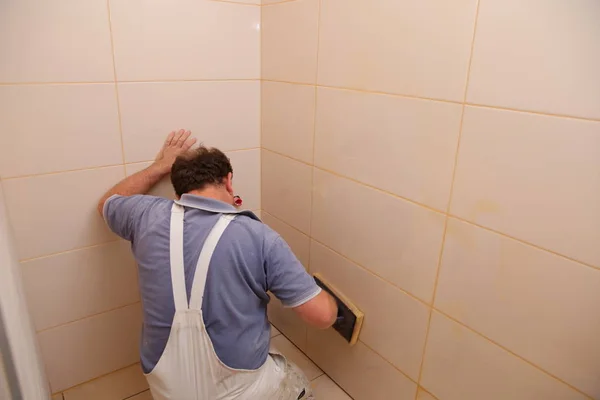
(129, 383)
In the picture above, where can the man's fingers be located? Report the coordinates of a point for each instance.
(170, 138)
(181, 140)
(189, 143)
(177, 136)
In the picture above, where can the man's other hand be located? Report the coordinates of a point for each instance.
(176, 144)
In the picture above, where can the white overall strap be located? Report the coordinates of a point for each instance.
(204, 260)
(176, 251)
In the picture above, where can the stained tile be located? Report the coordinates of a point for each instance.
(398, 336)
(289, 41)
(70, 42)
(80, 351)
(115, 386)
(347, 216)
(532, 177)
(538, 55)
(286, 190)
(225, 115)
(161, 24)
(57, 212)
(52, 128)
(97, 278)
(288, 117)
(377, 45)
(460, 364)
(413, 141)
(299, 242)
(363, 374)
(534, 303)
(294, 355)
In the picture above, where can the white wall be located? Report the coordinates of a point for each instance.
(26, 362)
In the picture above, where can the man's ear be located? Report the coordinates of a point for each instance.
(229, 183)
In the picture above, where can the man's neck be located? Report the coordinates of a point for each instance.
(214, 192)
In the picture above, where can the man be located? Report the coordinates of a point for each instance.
(204, 272)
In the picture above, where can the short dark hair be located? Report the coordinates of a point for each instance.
(198, 168)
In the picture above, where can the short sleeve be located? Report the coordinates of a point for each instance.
(124, 214)
(286, 277)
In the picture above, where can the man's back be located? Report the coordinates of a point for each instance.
(249, 260)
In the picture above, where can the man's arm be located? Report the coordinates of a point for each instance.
(320, 311)
(141, 182)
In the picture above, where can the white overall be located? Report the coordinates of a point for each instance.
(189, 368)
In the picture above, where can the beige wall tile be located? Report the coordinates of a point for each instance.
(538, 55)
(291, 352)
(51, 128)
(54, 213)
(289, 41)
(67, 41)
(287, 322)
(299, 242)
(376, 298)
(164, 188)
(116, 386)
(395, 239)
(360, 371)
(460, 364)
(94, 346)
(288, 119)
(246, 181)
(165, 28)
(286, 190)
(405, 146)
(539, 305)
(73, 285)
(379, 45)
(220, 114)
(57, 397)
(533, 177)
(423, 395)
(258, 213)
(324, 388)
(246, 176)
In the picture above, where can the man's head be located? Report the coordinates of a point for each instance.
(204, 171)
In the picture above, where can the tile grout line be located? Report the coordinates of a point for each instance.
(415, 97)
(314, 137)
(445, 230)
(87, 317)
(128, 81)
(450, 215)
(104, 166)
(116, 86)
(91, 246)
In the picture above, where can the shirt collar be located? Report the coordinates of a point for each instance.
(212, 205)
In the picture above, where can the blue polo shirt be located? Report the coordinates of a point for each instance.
(249, 260)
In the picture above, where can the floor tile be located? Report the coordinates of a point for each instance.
(116, 386)
(324, 388)
(274, 332)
